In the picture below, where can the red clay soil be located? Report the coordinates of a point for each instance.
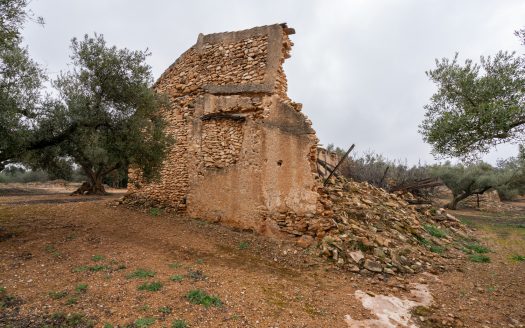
(50, 244)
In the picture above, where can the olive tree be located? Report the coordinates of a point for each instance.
(106, 116)
(476, 106)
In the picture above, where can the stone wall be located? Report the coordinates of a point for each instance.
(244, 154)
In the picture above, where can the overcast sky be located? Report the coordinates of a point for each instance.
(358, 67)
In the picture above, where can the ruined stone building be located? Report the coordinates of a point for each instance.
(244, 154)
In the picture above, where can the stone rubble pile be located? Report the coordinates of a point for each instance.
(368, 230)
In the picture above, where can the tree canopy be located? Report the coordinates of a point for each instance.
(476, 106)
(20, 83)
(106, 116)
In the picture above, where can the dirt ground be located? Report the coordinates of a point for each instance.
(69, 261)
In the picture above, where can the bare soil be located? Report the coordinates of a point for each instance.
(51, 243)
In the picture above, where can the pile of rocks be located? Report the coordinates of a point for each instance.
(368, 230)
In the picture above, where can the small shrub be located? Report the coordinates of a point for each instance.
(97, 258)
(81, 288)
(179, 324)
(165, 310)
(58, 295)
(244, 245)
(198, 296)
(2, 290)
(144, 322)
(518, 258)
(71, 301)
(151, 287)
(177, 278)
(478, 258)
(434, 231)
(141, 273)
(477, 248)
(144, 308)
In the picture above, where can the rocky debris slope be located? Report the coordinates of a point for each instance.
(369, 230)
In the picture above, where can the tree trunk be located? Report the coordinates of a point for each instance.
(94, 185)
(456, 199)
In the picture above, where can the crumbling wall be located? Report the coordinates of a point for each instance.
(244, 154)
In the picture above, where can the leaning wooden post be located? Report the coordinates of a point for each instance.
(341, 161)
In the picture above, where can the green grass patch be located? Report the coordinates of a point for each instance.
(81, 288)
(479, 258)
(176, 278)
(437, 249)
(198, 296)
(71, 320)
(165, 310)
(151, 286)
(518, 258)
(480, 249)
(144, 322)
(423, 241)
(434, 231)
(72, 300)
(155, 211)
(58, 295)
(97, 268)
(141, 274)
(179, 324)
(243, 245)
(97, 258)
(175, 265)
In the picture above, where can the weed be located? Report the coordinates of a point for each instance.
(97, 258)
(518, 258)
(437, 249)
(144, 308)
(81, 268)
(179, 324)
(108, 325)
(155, 211)
(53, 251)
(174, 265)
(71, 301)
(422, 240)
(165, 310)
(96, 268)
(434, 231)
(70, 320)
(478, 258)
(244, 245)
(198, 296)
(58, 295)
(199, 261)
(362, 247)
(196, 275)
(144, 322)
(141, 273)
(177, 278)
(477, 248)
(7, 300)
(81, 288)
(151, 287)
(121, 267)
